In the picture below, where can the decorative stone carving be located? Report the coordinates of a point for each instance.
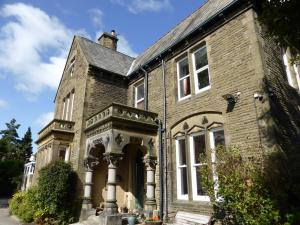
(185, 126)
(112, 158)
(151, 145)
(136, 140)
(204, 120)
(150, 161)
(90, 162)
(119, 139)
(98, 141)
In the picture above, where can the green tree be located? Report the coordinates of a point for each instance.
(10, 141)
(282, 19)
(25, 148)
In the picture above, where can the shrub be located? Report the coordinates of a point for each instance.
(242, 196)
(57, 185)
(25, 204)
(52, 201)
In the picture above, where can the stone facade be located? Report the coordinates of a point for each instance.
(246, 100)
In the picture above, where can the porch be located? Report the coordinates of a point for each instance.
(120, 162)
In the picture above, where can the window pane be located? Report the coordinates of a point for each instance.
(184, 189)
(185, 87)
(140, 105)
(140, 92)
(183, 68)
(199, 148)
(203, 79)
(201, 172)
(219, 138)
(62, 154)
(201, 58)
(181, 150)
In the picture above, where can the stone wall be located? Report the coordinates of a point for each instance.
(235, 66)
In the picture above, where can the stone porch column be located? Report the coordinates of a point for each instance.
(87, 195)
(89, 164)
(150, 163)
(110, 206)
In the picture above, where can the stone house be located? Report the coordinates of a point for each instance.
(133, 128)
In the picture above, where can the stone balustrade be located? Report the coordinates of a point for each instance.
(57, 125)
(122, 112)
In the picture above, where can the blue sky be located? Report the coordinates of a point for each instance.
(35, 37)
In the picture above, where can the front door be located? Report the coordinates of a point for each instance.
(139, 181)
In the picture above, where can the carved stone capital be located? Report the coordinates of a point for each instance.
(150, 161)
(90, 162)
(113, 158)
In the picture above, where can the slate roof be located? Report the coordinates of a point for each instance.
(105, 58)
(181, 31)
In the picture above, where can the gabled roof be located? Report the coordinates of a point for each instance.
(104, 58)
(202, 15)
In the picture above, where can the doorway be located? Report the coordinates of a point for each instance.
(139, 180)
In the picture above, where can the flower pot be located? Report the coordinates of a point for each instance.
(131, 220)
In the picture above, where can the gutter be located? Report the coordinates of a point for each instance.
(161, 171)
(164, 152)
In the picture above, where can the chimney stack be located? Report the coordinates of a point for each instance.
(109, 40)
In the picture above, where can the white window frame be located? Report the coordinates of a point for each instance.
(194, 167)
(68, 106)
(64, 106)
(72, 104)
(180, 196)
(287, 69)
(214, 158)
(136, 101)
(71, 66)
(197, 90)
(297, 75)
(182, 78)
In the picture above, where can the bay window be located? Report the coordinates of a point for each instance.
(199, 145)
(184, 83)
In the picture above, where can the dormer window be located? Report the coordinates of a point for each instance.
(139, 96)
(71, 66)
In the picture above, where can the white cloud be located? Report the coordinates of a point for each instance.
(36, 46)
(44, 119)
(3, 104)
(97, 17)
(125, 47)
(137, 6)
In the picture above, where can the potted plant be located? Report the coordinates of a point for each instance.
(154, 220)
(131, 218)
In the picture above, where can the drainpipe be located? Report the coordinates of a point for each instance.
(161, 170)
(165, 142)
(145, 87)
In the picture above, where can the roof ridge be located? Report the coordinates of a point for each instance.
(114, 51)
(177, 24)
